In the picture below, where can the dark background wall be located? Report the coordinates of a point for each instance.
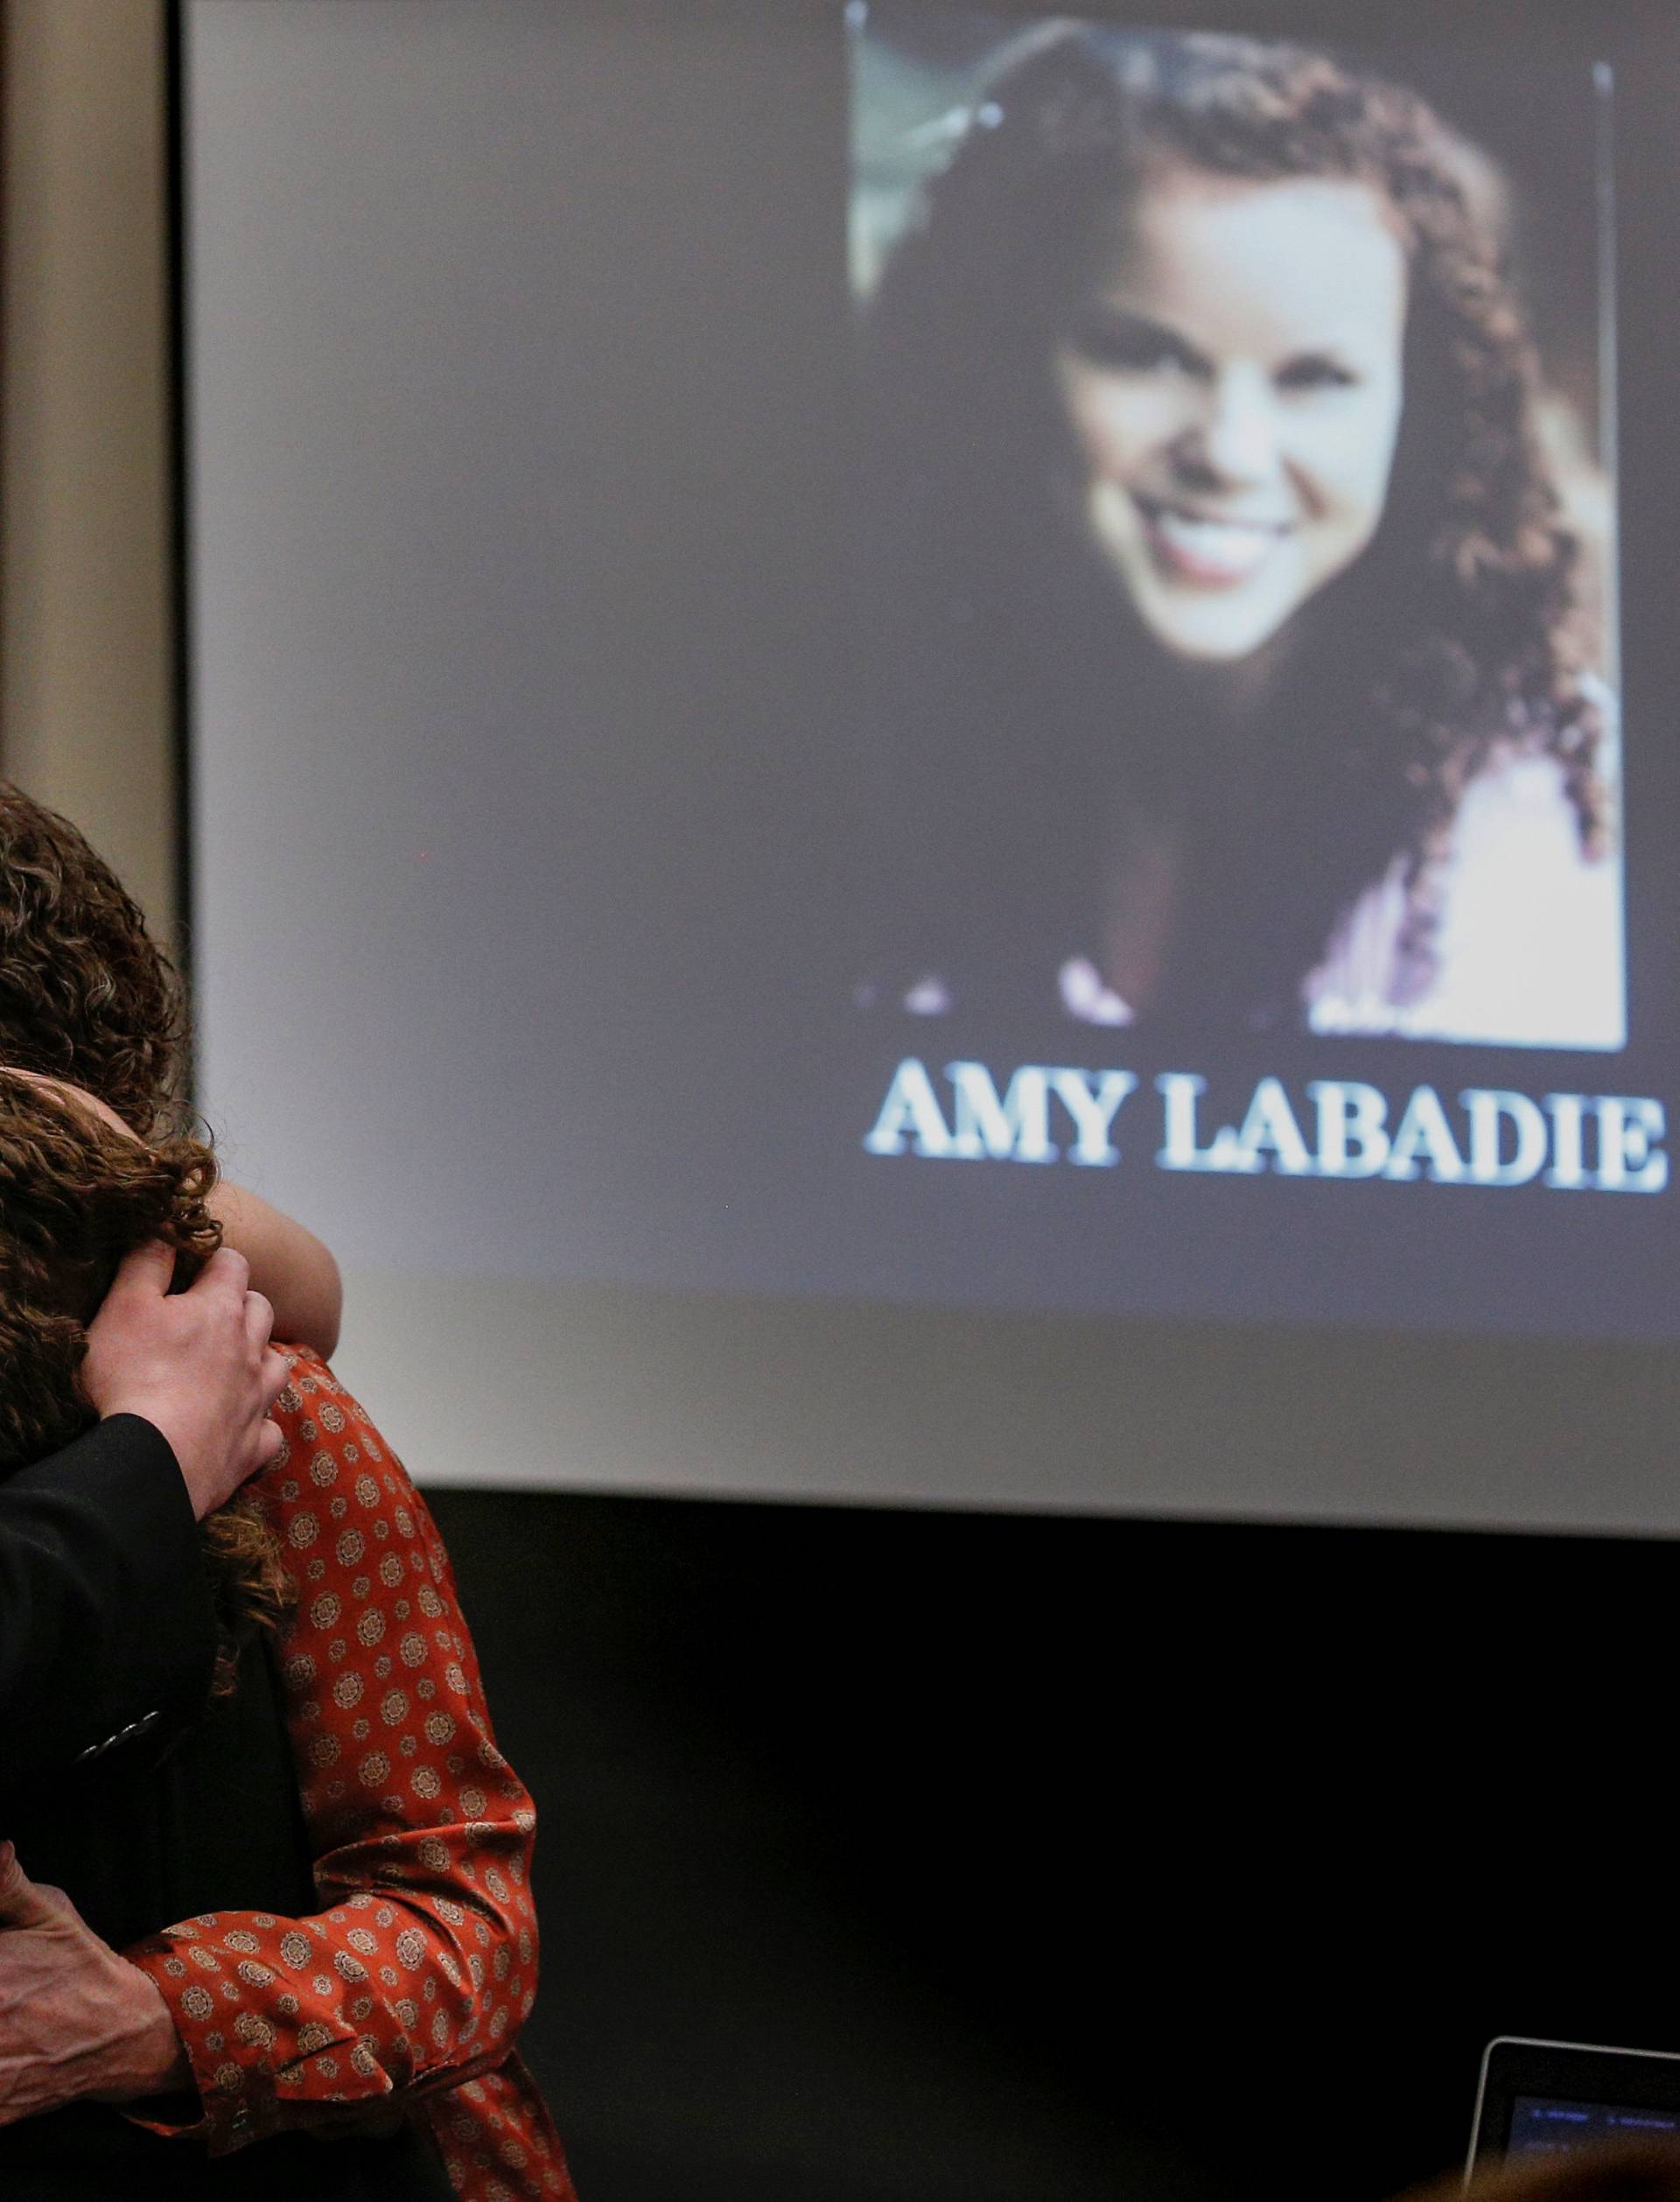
(889, 1855)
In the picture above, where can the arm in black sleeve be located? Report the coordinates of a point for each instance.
(107, 1628)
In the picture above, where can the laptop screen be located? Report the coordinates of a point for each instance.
(1541, 2125)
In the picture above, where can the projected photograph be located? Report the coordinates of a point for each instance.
(1236, 607)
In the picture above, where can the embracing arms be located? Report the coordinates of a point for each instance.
(411, 1979)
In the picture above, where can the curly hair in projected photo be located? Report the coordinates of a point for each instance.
(1228, 658)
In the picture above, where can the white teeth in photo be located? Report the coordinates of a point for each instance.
(1237, 544)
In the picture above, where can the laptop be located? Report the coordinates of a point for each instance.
(1548, 2098)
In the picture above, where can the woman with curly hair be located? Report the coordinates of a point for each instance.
(1225, 624)
(290, 1954)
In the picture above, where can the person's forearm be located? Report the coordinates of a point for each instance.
(289, 1267)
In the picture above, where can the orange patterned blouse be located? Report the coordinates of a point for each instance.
(414, 1977)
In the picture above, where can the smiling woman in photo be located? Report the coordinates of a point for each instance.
(1224, 644)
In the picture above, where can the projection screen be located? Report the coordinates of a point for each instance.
(927, 750)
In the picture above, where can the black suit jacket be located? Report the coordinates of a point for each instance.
(107, 1634)
(108, 1637)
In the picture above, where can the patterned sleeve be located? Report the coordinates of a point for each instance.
(421, 1964)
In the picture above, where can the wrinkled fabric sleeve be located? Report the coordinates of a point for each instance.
(421, 1964)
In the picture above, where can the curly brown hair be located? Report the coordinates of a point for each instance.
(88, 997)
(1458, 629)
(86, 992)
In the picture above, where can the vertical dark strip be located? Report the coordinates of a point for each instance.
(178, 432)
